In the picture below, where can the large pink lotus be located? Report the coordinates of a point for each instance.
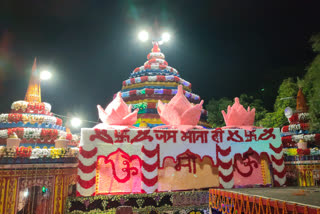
(179, 113)
(238, 116)
(117, 114)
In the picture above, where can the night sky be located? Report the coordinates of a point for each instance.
(224, 48)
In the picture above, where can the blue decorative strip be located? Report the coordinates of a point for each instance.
(152, 87)
(148, 111)
(29, 125)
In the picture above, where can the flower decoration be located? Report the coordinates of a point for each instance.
(179, 113)
(10, 152)
(117, 114)
(57, 153)
(315, 151)
(2, 151)
(238, 117)
(24, 152)
(39, 153)
(290, 151)
(303, 151)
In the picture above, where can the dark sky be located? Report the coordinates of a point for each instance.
(224, 48)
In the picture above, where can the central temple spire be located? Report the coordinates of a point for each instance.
(34, 90)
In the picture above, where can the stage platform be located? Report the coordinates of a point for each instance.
(301, 195)
(271, 200)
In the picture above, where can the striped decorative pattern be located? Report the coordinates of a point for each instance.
(87, 170)
(150, 163)
(279, 173)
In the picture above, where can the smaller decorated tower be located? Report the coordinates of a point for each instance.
(301, 146)
(30, 122)
(38, 158)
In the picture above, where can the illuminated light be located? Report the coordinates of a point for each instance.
(143, 36)
(288, 112)
(45, 75)
(26, 193)
(165, 37)
(76, 122)
(44, 189)
(262, 89)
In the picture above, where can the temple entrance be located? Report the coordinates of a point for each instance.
(35, 200)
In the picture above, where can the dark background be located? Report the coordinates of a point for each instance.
(224, 48)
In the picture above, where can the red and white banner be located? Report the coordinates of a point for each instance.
(134, 156)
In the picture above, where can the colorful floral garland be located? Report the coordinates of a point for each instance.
(37, 153)
(33, 133)
(30, 118)
(150, 91)
(296, 151)
(299, 117)
(295, 127)
(152, 72)
(158, 78)
(292, 139)
(28, 107)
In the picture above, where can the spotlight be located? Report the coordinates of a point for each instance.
(165, 37)
(45, 75)
(143, 36)
(76, 122)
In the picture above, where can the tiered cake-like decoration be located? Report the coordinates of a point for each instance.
(31, 121)
(154, 81)
(297, 134)
(301, 146)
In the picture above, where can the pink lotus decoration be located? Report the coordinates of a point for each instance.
(117, 115)
(179, 113)
(238, 117)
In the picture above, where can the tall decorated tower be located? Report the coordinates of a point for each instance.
(154, 81)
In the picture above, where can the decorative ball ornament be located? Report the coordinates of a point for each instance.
(288, 112)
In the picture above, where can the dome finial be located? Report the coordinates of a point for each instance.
(34, 90)
(155, 47)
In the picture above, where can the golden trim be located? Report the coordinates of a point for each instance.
(58, 195)
(2, 194)
(11, 195)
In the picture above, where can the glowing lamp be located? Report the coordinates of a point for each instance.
(165, 37)
(143, 36)
(26, 193)
(76, 122)
(45, 75)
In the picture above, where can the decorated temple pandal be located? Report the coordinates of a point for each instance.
(146, 168)
(154, 81)
(117, 158)
(38, 156)
(302, 156)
